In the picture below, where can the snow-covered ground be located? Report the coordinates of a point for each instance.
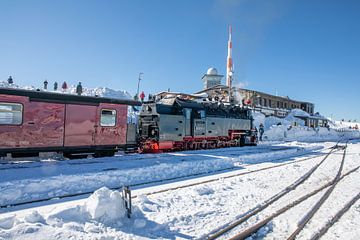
(196, 209)
(185, 213)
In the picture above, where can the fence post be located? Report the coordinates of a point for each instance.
(127, 200)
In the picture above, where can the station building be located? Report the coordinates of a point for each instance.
(268, 104)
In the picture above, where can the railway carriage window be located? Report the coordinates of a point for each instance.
(10, 113)
(108, 118)
(202, 114)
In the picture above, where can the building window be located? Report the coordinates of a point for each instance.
(285, 105)
(269, 102)
(265, 103)
(11, 113)
(108, 118)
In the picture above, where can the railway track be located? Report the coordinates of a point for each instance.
(254, 228)
(38, 163)
(168, 180)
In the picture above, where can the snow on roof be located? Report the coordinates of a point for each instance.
(98, 91)
(299, 113)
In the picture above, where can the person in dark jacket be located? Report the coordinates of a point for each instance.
(55, 86)
(261, 130)
(45, 84)
(10, 80)
(79, 89)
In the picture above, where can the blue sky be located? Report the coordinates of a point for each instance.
(307, 50)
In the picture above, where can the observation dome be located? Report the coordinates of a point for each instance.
(212, 71)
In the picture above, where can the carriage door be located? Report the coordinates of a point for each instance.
(79, 125)
(188, 127)
(111, 124)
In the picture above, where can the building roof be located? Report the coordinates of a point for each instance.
(226, 89)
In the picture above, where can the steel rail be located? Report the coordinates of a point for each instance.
(171, 179)
(14, 163)
(254, 228)
(225, 228)
(335, 218)
(319, 203)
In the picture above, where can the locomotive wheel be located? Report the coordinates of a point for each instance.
(191, 145)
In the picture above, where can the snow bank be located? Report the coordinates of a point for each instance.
(101, 213)
(345, 125)
(103, 206)
(283, 129)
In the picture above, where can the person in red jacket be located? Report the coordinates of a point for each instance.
(64, 86)
(142, 96)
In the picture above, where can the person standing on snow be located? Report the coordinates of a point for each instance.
(79, 89)
(10, 80)
(142, 96)
(45, 84)
(261, 130)
(55, 86)
(64, 86)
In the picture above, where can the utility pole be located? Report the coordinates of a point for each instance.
(138, 86)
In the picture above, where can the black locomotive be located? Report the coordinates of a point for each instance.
(184, 122)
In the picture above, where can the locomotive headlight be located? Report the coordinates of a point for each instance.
(153, 132)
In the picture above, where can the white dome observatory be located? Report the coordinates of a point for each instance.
(211, 78)
(212, 71)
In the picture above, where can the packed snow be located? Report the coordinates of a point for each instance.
(292, 128)
(195, 209)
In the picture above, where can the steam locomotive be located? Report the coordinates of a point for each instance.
(176, 122)
(36, 121)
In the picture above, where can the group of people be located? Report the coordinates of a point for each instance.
(64, 87)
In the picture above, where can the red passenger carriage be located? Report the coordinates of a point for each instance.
(36, 121)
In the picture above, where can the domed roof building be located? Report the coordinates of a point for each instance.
(212, 71)
(211, 78)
